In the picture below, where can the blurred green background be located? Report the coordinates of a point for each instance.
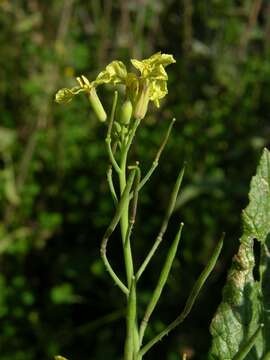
(55, 296)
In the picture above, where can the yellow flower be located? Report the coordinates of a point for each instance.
(114, 73)
(154, 67)
(150, 85)
(64, 96)
(152, 82)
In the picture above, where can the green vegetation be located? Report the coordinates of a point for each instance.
(242, 319)
(55, 296)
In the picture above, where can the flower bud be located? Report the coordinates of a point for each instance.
(125, 112)
(96, 105)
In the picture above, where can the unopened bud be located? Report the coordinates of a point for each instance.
(125, 112)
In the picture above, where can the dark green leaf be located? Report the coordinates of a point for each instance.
(246, 301)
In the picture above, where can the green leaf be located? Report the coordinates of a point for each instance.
(246, 301)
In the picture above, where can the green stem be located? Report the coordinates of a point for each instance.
(108, 141)
(164, 224)
(117, 217)
(134, 202)
(161, 282)
(132, 340)
(124, 222)
(131, 321)
(157, 157)
(190, 301)
(111, 185)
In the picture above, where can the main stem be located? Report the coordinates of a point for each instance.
(132, 337)
(124, 222)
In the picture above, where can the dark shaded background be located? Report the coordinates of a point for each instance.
(54, 199)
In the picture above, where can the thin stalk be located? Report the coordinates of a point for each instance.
(124, 223)
(161, 282)
(108, 139)
(242, 353)
(118, 215)
(164, 224)
(113, 161)
(157, 157)
(190, 301)
(158, 154)
(110, 177)
(111, 185)
(134, 202)
(132, 134)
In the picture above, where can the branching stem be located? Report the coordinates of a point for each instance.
(118, 215)
(165, 222)
(161, 282)
(190, 301)
(157, 157)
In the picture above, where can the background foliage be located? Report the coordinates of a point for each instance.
(54, 199)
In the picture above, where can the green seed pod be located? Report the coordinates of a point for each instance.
(97, 106)
(125, 112)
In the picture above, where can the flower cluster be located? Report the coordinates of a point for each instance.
(149, 85)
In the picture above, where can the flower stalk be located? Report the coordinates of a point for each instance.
(148, 83)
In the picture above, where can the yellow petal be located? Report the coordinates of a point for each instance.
(114, 73)
(139, 65)
(85, 80)
(117, 70)
(157, 91)
(161, 59)
(158, 73)
(153, 68)
(63, 96)
(102, 78)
